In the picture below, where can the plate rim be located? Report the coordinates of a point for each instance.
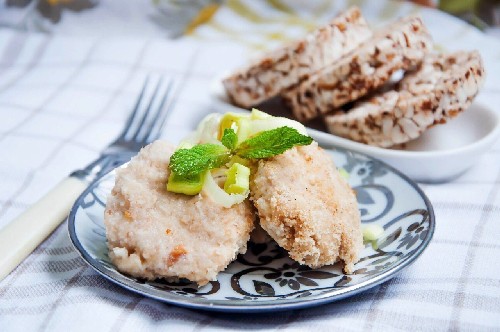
(269, 306)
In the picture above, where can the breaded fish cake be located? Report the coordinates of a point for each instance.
(308, 208)
(153, 233)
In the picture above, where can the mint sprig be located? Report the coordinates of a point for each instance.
(229, 139)
(271, 143)
(198, 159)
(203, 157)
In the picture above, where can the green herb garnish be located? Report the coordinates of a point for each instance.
(198, 159)
(271, 143)
(229, 139)
(203, 157)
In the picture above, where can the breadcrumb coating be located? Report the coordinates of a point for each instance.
(153, 233)
(308, 208)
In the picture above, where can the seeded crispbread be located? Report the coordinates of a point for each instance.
(401, 45)
(282, 68)
(441, 88)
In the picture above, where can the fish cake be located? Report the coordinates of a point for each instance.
(308, 208)
(443, 87)
(153, 233)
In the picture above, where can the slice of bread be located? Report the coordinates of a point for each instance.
(401, 45)
(442, 87)
(282, 68)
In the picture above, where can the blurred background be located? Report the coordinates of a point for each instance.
(175, 18)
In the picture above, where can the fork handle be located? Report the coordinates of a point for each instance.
(23, 234)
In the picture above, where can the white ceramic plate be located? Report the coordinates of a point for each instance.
(265, 278)
(441, 154)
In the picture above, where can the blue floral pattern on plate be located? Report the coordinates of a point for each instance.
(265, 278)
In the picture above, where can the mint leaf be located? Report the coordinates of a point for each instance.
(192, 162)
(229, 139)
(271, 143)
(198, 159)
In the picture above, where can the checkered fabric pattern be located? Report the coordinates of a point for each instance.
(63, 99)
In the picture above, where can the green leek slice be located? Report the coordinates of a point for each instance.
(238, 179)
(184, 185)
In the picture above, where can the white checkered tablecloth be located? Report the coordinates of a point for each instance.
(63, 99)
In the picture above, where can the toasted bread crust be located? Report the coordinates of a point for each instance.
(401, 45)
(440, 89)
(282, 68)
(308, 208)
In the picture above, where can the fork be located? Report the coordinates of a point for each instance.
(146, 122)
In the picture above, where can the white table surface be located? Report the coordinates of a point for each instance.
(65, 95)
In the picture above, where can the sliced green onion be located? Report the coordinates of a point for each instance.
(218, 195)
(344, 173)
(237, 159)
(259, 115)
(256, 126)
(248, 125)
(184, 185)
(240, 123)
(206, 132)
(238, 179)
(372, 232)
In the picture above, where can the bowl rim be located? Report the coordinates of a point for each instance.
(494, 132)
(329, 140)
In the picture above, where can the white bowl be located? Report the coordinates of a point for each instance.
(441, 154)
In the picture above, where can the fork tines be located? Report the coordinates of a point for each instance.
(148, 118)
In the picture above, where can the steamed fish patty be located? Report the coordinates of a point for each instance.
(308, 208)
(153, 233)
